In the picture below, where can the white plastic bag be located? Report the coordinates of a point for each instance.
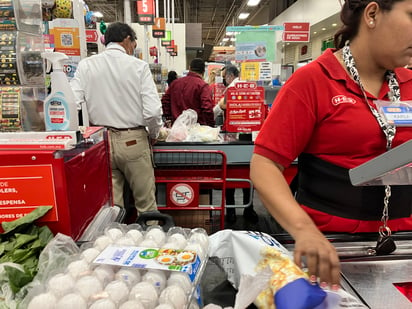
(181, 126)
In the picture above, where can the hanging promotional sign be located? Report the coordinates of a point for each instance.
(256, 46)
(167, 41)
(145, 12)
(159, 28)
(245, 110)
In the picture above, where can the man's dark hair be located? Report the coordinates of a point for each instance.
(117, 32)
(197, 65)
(231, 69)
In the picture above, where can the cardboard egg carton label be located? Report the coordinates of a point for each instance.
(187, 261)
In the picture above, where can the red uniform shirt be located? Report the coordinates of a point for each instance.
(187, 92)
(321, 111)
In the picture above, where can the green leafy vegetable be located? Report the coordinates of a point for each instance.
(27, 219)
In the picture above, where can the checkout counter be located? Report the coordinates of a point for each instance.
(377, 281)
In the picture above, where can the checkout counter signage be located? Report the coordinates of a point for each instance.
(159, 27)
(245, 109)
(145, 12)
(25, 187)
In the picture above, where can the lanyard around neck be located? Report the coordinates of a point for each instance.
(394, 93)
(388, 129)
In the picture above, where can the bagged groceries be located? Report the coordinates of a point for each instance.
(186, 129)
(264, 273)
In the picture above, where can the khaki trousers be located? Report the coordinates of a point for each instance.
(131, 159)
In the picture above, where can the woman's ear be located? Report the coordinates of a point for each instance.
(370, 13)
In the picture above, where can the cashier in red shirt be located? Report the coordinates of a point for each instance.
(192, 92)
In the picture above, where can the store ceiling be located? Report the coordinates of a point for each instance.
(214, 15)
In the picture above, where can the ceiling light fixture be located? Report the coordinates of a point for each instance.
(243, 15)
(253, 2)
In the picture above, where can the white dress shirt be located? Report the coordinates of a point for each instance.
(118, 90)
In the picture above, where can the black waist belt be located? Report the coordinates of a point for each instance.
(326, 187)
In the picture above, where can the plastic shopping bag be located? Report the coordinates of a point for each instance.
(181, 126)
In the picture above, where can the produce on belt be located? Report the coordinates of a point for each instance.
(20, 247)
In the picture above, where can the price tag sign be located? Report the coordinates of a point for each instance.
(145, 12)
(245, 110)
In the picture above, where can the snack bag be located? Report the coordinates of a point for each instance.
(289, 286)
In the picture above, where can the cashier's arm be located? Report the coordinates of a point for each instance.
(321, 257)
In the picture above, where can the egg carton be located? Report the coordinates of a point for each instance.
(128, 267)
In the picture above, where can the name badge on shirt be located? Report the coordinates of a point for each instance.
(398, 114)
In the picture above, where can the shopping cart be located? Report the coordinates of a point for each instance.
(186, 173)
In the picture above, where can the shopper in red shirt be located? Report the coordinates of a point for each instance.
(192, 92)
(326, 115)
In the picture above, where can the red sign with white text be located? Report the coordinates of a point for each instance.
(245, 111)
(296, 32)
(25, 187)
(91, 36)
(295, 37)
(296, 26)
(145, 12)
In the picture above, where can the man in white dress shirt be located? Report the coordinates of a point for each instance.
(120, 94)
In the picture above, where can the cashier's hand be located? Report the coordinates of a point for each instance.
(321, 258)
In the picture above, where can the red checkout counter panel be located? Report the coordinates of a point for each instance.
(75, 182)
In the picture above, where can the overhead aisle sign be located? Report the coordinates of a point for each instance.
(296, 32)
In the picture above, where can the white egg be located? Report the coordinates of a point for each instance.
(157, 278)
(43, 301)
(136, 235)
(104, 303)
(172, 245)
(179, 238)
(78, 268)
(88, 286)
(130, 276)
(60, 284)
(117, 290)
(102, 242)
(145, 293)
(114, 233)
(200, 237)
(180, 279)
(132, 304)
(90, 254)
(149, 243)
(105, 273)
(71, 301)
(158, 235)
(124, 241)
(174, 295)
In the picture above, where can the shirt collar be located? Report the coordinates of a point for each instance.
(115, 46)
